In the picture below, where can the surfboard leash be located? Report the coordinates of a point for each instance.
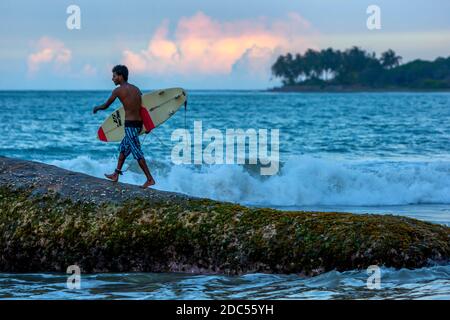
(160, 141)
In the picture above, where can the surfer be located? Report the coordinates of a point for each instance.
(130, 96)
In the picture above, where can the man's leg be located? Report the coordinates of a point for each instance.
(115, 176)
(124, 151)
(136, 150)
(121, 161)
(150, 181)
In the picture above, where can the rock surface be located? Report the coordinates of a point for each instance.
(51, 218)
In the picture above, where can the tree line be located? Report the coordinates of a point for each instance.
(357, 67)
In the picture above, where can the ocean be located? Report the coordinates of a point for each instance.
(384, 153)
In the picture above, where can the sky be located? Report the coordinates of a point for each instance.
(199, 44)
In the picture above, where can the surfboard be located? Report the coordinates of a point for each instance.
(157, 107)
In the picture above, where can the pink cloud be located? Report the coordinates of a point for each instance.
(203, 45)
(49, 51)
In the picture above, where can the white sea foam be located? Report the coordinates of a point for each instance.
(302, 181)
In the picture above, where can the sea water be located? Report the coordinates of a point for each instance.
(383, 153)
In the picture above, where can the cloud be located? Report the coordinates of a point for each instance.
(255, 61)
(204, 46)
(89, 70)
(49, 51)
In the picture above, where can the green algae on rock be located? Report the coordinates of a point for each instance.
(43, 227)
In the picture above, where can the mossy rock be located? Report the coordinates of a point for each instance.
(49, 233)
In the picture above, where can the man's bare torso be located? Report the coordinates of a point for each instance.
(130, 96)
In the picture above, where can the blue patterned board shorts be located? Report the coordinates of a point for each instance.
(130, 143)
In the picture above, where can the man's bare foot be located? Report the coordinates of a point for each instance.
(114, 177)
(148, 183)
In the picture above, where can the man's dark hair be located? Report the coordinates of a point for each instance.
(121, 70)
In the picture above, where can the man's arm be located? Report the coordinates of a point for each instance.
(110, 100)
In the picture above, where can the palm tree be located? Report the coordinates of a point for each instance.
(390, 60)
(312, 63)
(331, 61)
(278, 67)
(299, 68)
(284, 68)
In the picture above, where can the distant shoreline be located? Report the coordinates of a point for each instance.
(350, 89)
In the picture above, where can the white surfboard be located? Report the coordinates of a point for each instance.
(158, 106)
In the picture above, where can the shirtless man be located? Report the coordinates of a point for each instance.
(130, 96)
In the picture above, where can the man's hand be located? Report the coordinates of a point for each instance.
(107, 103)
(96, 109)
